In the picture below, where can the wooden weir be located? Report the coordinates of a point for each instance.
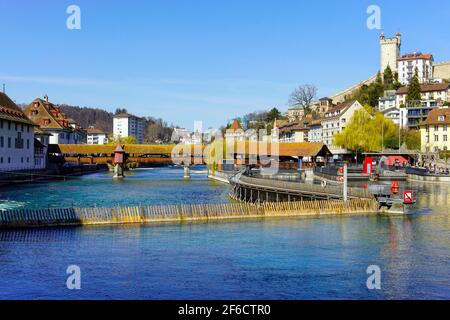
(24, 218)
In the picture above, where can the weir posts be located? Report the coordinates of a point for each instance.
(25, 218)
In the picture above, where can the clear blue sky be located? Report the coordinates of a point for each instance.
(201, 59)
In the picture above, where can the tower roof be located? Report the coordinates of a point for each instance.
(236, 125)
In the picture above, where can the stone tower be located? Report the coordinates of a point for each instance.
(390, 51)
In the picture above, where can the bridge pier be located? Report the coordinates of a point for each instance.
(187, 172)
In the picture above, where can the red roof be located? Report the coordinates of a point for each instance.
(427, 88)
(236, 125)
(10, 111)
(415, 56)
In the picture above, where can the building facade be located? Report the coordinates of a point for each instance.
(315, 131)
(409, 63)
(295, 113)
(51, 120)
(96, 136)
(432, 96)
(434, 131)
(16, 137)
(126, 125)
(335, 121)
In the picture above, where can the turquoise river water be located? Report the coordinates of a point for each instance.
(295, 258)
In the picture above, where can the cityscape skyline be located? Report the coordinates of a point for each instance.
(163, 59)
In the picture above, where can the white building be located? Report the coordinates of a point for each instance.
(432, 96)
(16, 137)
(96, 136)
(315, 131)
(409, 63)
(335, 121)
(388, 101)
(51, 120)
(126, 125)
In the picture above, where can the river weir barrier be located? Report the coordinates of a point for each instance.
(52, 217)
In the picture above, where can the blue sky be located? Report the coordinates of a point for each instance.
(201, 59)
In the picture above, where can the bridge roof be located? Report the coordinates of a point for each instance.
(301, 149)
(87, 149)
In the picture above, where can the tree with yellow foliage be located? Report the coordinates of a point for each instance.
(368, 133)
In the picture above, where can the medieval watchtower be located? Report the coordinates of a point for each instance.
(390, 52)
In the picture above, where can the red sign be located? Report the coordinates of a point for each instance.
(395, 187)
(408, 197)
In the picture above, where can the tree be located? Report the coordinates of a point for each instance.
(122, 140)
(365, 133)
(396, 85)
(272, 115)
(121, 110)
(414, 89)
(412, 139)
(388, 77)
(303, 96)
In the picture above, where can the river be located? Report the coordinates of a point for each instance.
(295, 258)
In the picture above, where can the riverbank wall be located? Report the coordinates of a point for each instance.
(61, 173)
(54, 217)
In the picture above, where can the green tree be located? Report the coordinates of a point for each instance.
(414, 89)
(412, 139)
(365, 133)
(120, 110)
(388, 78)
(272, 115)
(122, 140)
(396, 85)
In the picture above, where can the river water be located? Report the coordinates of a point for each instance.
(296, 258)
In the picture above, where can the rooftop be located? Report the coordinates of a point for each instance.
(415, 56)
(431, 87)
(438, 116)
(49, 116)
(10, 111)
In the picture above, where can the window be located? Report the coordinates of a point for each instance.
(28, 143)
(441, 118)
(9, 142)
(444, 128)
(436, 138)
(436, 128)
(2, 142)
(445, 137)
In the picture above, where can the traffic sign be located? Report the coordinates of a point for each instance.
(408, 197)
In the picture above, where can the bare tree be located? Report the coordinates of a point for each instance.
(303, 96)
